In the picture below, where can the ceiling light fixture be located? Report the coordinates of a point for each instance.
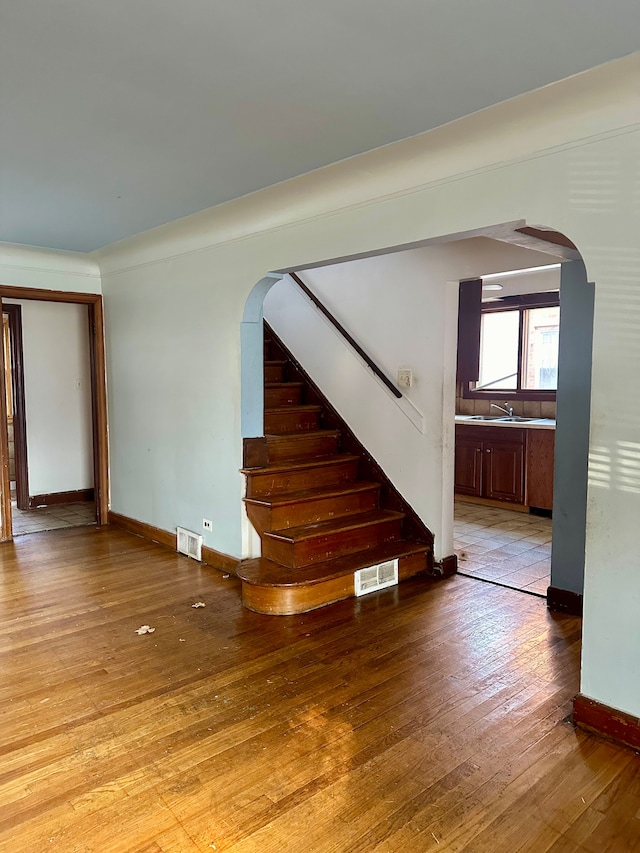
(492, 287)
(521, 272)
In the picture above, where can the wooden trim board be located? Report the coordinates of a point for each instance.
(44, 295)
(98, 364)
(471, 499)
(61, 498)
(6, 524)
(141, 528)
(220, 561)
(564, 601)
(608, 722)
(211, 557)
(447, 566)
(14, 314)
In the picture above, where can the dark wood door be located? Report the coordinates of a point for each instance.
(468, 467)
(504, 471)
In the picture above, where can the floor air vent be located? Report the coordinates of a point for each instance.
(376, 577)
(189, 543)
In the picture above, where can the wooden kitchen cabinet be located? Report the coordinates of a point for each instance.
(506, 464)
(468, 466)
(540, 461)
(504, 471)
(489, 463)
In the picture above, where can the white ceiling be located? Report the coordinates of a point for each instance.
(119, 115)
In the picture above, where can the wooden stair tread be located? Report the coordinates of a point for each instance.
(314, 462)
(302, 435)
(275, 362)
(334, 525)
(294, 407)
(284, 384)
(263, 572)
(282, 499)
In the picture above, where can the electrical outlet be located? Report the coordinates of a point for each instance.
(405, 378)
(207, 524)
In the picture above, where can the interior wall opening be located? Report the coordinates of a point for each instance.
(53, 412)
(391, 330)
(522, 400)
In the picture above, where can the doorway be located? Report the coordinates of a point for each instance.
(53, 434)
(505, 427)
(550, 458)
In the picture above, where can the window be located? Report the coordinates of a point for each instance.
(518, 347)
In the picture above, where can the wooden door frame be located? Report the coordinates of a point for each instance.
(93, 301)
(14, 313)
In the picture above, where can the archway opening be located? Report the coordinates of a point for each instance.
(362, 305)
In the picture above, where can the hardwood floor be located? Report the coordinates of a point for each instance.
(427, 717)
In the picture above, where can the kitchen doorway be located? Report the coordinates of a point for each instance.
(505, 429)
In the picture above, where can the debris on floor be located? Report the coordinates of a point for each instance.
(145, 629)
(199, 604)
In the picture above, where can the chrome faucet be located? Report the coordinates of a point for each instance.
(508, 410)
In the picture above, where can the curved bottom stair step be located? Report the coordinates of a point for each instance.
(270, 588)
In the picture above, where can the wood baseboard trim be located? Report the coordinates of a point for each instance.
(220, 561)
(470, 499)
(564, 601)
(211, 557)
(446, 567)
(61, 498)
(141, 528)
(607, 722)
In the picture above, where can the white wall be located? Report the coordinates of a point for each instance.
(57, 396)
(393, 305)
(567, 157)
(48, 269)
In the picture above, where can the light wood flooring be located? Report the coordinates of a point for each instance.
(430, 717)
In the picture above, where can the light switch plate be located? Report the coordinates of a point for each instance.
(405, 378)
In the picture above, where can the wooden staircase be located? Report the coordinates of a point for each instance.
(322, 507)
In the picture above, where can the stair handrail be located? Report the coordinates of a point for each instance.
(341, 329)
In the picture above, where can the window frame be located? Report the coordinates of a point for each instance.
(522, 304)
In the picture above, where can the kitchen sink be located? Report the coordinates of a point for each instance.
(503, 419)
(486, 418)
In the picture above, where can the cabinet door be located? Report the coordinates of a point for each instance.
(468, 467)
(540, 452)
(504, 471)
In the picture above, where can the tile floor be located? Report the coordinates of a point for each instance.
(52, 517)
(503, 546)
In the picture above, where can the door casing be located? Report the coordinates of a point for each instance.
(93, 301)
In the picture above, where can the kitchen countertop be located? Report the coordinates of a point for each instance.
(534, 423)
